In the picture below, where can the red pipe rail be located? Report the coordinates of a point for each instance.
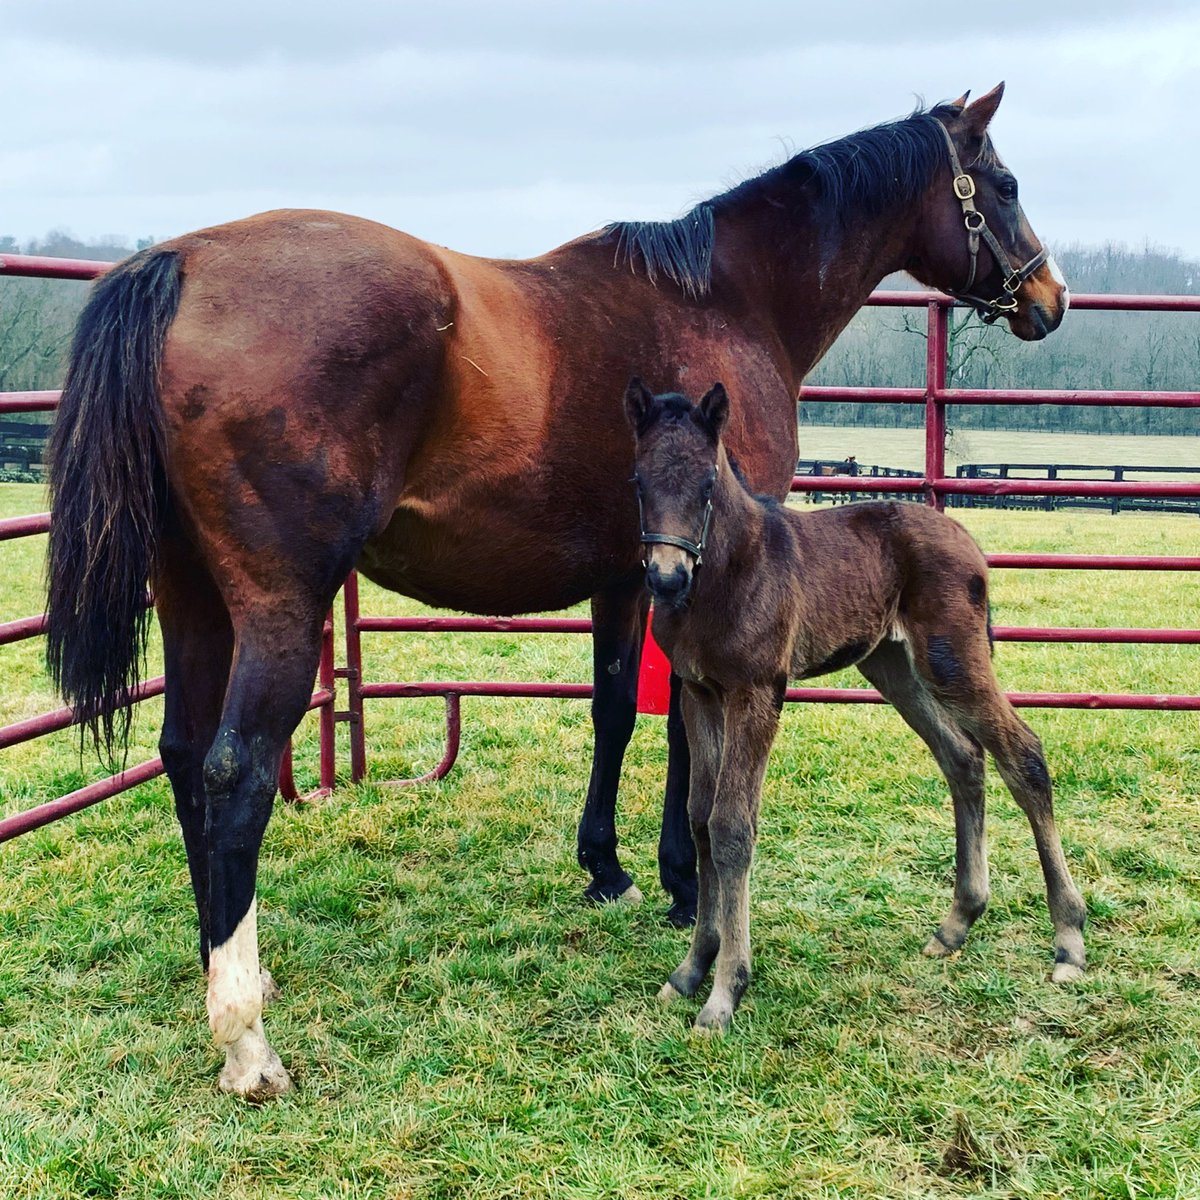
(934, 486)
(30, 266)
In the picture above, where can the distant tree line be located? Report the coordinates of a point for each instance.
(1111, 351)
(37, 315)
(1151, 351)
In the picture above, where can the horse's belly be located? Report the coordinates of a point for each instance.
(489, 560)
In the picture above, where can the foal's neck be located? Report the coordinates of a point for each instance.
(736, 528)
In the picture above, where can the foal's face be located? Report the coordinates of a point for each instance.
(675, 471)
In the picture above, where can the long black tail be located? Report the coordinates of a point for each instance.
(108, 493)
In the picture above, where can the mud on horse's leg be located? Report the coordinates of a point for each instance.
(617, 622)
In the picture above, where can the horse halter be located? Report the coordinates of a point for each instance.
(977, 227)
(695, 549)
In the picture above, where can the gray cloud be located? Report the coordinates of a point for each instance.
(505, 128)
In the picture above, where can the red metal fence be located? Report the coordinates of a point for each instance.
(935, 486)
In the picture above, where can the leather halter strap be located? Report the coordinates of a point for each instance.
(977, 228)
(694, 548)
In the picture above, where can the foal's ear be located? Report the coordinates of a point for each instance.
(714, 409)
(638, 401)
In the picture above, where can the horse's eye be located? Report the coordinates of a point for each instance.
(1007, 191)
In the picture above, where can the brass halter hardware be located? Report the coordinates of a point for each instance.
(977, 227)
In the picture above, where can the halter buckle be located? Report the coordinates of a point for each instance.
(964, 186)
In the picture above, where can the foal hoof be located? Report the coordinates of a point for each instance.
(713, 1022)
(936, 948)
(668, 994)
(1066, 972)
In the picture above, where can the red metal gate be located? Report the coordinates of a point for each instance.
(934, 486)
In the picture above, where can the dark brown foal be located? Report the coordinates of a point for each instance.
(898, 589)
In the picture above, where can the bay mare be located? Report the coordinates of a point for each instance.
(749, 595)
(253, 409)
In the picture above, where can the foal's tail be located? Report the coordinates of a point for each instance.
(108, 492)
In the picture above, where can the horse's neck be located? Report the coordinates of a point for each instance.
(806, 271)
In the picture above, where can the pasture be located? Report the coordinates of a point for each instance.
(905, 448)
(459, 1024)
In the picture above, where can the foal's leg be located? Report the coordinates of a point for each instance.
(960, 757)
(958, 670)
(618, 619)
(751, 718)
(705, 732)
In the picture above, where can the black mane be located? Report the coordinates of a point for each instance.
(858, 175)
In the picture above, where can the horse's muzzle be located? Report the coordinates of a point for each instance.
(670, 587)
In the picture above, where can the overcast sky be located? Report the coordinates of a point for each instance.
(505, 127)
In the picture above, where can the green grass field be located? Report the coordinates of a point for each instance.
(460, 1024)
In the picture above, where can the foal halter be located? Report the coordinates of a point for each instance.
(977, 227)
(695, 549)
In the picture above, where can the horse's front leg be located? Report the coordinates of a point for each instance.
(751, 718)
(676, 849)
(618, 619)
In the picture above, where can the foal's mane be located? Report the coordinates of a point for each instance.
(857, 175)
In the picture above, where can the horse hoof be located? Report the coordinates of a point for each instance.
(1065, 972)
(261, 1083)
(270, 989)
(624, 889)
(667, 994)
(682, 914)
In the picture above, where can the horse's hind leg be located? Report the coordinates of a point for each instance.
(958, 670)
(275, 660)
(197, 648)
(960, 758)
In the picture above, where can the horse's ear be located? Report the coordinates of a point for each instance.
(638, 399)
(976, 117)
(714, 409)
(961, 102)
